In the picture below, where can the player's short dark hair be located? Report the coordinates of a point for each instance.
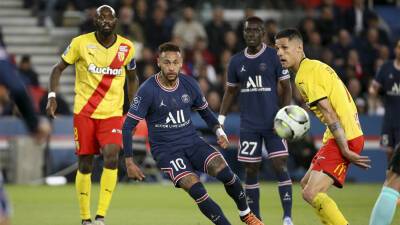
(168, 47)
(254, 19)
(290, 33)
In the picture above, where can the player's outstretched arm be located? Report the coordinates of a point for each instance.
(229, 95)
(215, 126)
(285, 94)
(332, 120)
(54, 82)
(374, 88)
(133, 83)
(132, 169)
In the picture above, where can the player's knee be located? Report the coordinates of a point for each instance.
(309, 194)
(187, 182)
(252, 169)
(85, 164)
(111, 162)
(216, 165)
(110, 156)
(226, 176)
(198, 192)
(279, 164)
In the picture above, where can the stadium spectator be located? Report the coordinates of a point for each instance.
(141, 13)
(355, 19)
(369, 51)
(214, 100)
(327, 25)
(231, 42)
(271, 28)
(342, 47)
(354, 87)
(373, 22)
(127, 27)
(87, 25)
(248, 12)
(28, 74)
(306, 27)
(159, 28)
(314, 47)
(216, 29)
(189, 29)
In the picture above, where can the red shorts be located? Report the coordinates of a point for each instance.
(92, 134)
(329, 159)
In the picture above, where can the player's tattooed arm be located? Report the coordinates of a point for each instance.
(284, 92)
(331, 119)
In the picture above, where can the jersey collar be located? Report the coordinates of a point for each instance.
(264, 46)
(165, 88)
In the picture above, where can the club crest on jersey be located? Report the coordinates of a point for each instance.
(121, 56)
(185, 98)
(263, 66)
(123, 48)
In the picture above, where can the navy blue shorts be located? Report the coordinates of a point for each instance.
(250, 149)
(178, 163)
(390, 136)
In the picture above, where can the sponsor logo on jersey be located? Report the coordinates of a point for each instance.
(175, 120)
(116, 131)
(136, 102)
(123, 48)
(242, 69)
(395, 91)
(162, 103)
(104, 70)
(254, 84)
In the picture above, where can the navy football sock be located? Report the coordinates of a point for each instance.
(253, 194)
(233, 187)
(206, 205)
(285, 192)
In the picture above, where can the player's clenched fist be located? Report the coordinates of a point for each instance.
(51, 107)
(133, 170)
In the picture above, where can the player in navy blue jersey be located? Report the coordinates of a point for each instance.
(39, 130)
(387, 81)
(257, 73)
(165, 101)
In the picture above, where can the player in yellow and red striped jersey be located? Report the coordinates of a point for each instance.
(102, 61)
(343, 141)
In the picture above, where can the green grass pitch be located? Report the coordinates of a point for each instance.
(157, 204)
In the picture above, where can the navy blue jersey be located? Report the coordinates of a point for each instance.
(389, 79)
(167, 111)
(257, 75)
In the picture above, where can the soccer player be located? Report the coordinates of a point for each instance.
(343, 141)
(166, 100)
(388, 80)
(102, 60)
(257, 73)
(39, 130)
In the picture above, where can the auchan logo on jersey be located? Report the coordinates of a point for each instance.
(104, 70)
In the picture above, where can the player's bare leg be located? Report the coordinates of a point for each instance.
(279, 164)
(108, 180)
(218, 168)
(83, 186)
(315, 194)
(192, 185)
(252, 187)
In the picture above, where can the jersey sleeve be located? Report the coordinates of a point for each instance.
(71, 53)
(199, 101)
(130, 62)
(232, 79)
(141, 103)
(317, 85)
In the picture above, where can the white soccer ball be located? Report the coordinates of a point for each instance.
(291, 122)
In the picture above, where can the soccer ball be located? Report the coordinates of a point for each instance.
(291, 122)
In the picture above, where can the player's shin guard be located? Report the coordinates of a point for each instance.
(83, 185)
(285, 193)
(206, 205)
(385, 207)
(108, 182)
(233, 187)
(328, 210)
(253, 194)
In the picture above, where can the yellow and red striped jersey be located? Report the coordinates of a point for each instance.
(100, 74)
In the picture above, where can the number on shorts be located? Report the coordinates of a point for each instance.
(246, 147)
(178, 164)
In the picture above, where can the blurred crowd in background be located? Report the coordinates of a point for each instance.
(347, 35)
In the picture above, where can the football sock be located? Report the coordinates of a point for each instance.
(328, 210)
(285, 193)
(253, 194)
(385, 207)
(206, 205)
(108, 182)
(233, 187)
(83, 185)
